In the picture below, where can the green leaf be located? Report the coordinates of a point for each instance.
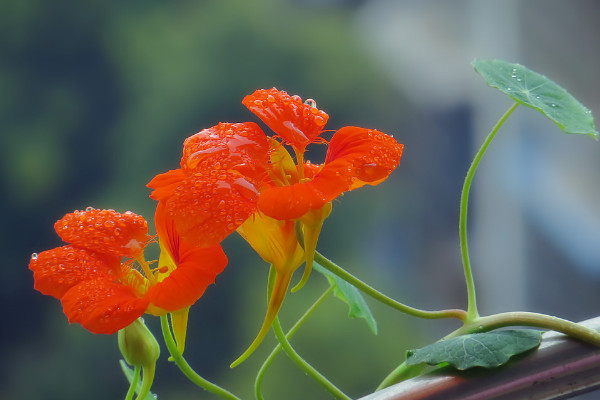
(351, 296)
(129, 372)
(536, 91)
(488, 350)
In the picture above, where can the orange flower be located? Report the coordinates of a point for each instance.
(104, 294)
(236, 177)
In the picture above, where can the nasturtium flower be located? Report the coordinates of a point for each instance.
(102, 279)
(236, 176)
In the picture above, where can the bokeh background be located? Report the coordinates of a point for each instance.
(96, 98)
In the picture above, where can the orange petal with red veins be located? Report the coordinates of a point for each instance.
(296, 122)
(239, 146)
(373, 154)
(104, 231)
(292, 202)
(58, 270)
(102, 306)
(165, 184)
(210, 205)
(197, 268)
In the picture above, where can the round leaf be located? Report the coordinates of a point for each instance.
(536, 91)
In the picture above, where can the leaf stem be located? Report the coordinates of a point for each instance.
(401, 373)
(374, 293)
(305, 366)
(521, 318)
(185, 367)
(269, 360)
(472, 312)
(134, 382)
(147, 379)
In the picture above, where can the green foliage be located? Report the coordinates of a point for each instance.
(538, 92)
(351, 296)
(488, 350)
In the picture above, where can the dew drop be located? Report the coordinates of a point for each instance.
(34, 256)
(117, 231)
(109, 223)
(89, 208)
(311, 102)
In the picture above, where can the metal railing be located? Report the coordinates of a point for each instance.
(561, 368)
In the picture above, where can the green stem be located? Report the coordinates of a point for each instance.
(185, 367)
(401, 373)
(472, 312)
(339, 271)
(263, 369)
(520, 318)
(305, 366)
(134, 382)
(147, 379)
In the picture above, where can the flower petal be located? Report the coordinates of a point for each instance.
(296, 122)
(242, 147)
(58, 270)
(105, 231)
(207, 206)
(355, 156)
(165, 184)
(293, 201)
(102, 306)
(196, 270)
(373, 154)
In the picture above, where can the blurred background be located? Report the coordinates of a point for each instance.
(96, 98)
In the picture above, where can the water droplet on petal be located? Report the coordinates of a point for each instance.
(109, 223)
(34, 256)
(90, 208)
(311, 102)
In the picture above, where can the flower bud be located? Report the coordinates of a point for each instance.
(138, 345)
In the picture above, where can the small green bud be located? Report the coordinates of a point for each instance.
(138, 345)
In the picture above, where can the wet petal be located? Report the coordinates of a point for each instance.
(296, 122)
(102, 306)
(58, 270)
(242, 147)
(372, 154)
(105, 231)
(196, 270)
(208, 206)
(165, 184)
(292, 202)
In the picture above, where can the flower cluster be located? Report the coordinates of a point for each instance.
(232, 177)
